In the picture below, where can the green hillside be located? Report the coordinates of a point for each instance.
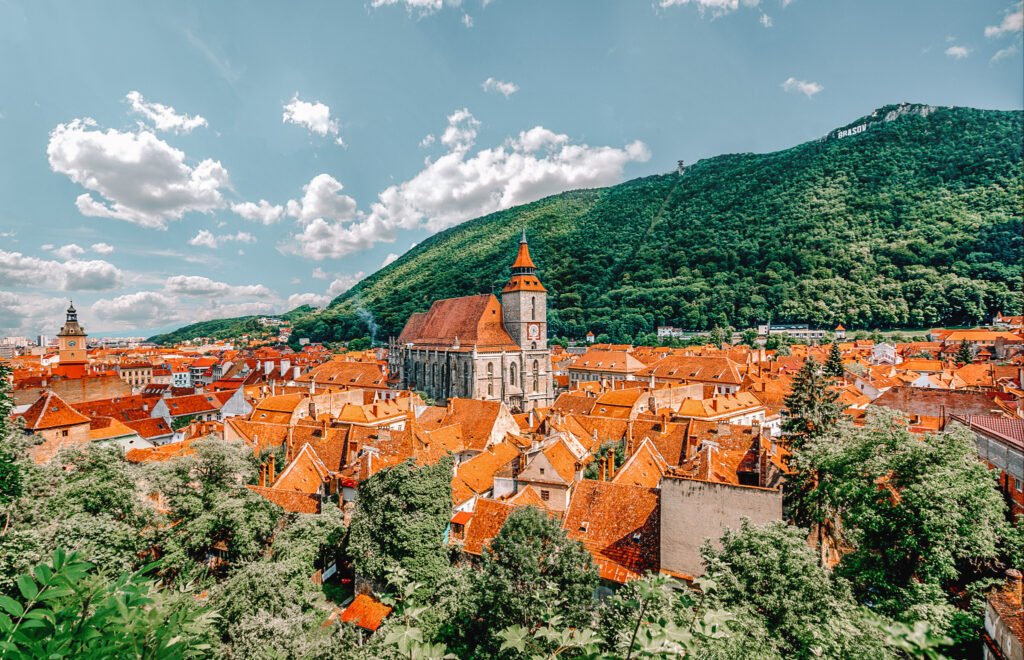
(229, 328)
(912, 221)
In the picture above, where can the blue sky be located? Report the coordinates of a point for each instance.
(169, 162)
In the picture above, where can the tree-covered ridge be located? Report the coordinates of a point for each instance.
(912, 222)
(230, 328)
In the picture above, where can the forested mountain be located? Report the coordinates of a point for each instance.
(908, 217)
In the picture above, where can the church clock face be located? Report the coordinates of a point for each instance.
(533, 331)
(71, 344)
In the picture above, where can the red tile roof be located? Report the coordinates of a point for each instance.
(366, 612)
(50, 411)
(620, 526)
(472, 320)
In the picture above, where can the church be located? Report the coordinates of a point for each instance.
(475, 347)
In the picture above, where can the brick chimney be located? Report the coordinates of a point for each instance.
(1015, 585)
(270, 471)
(263, 475)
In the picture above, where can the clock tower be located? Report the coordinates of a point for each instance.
(524, 310)
(524, 303)
(71, 345)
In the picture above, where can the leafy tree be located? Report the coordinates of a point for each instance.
(919, 514)
(771, 571)
(209, 507)
(964, 354)
(11, 471)
(66, 610)
(749, 337)
(531, 571)
(834, 365)
(400, 522)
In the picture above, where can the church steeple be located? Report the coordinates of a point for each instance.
(524, 271)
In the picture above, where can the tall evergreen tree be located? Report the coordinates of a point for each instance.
(811, 408)
(964, 355)
(834, 365)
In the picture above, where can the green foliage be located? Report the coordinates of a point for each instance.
(64, 610)
(400, 522)
(964, 354)
(231, 328)
(834, 364)
(919, 514)
(209, 506)
(913, 223)
(811, 408)
(11, 475)
(531, 572)
(773, 572)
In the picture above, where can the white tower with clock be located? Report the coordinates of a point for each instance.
(524, 304)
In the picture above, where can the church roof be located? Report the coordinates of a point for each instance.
(468, 321)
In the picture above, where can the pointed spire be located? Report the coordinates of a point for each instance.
(523, 264)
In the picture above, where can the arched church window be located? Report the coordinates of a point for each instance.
(512, 374)
(536, 376)
(533, 308)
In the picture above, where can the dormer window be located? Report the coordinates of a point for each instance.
(637, 536)
(584, 526)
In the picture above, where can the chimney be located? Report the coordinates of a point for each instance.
(610, 457)
(271, 471)
(629, 438)
(1015, 584)
(601, 471)
(263, 475)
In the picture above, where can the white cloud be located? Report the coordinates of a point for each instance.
(460, 185)
(804, 87)
(766, 20)
(142, 309)
(322, 198)
(390, 259)
(1003, 53)
(207, 239)
(30, 314)
(316, 117)
(467, 21)
(69, 251)
(17, 269)
(320, 274)
(344, 283)
(312, 299)
(164, 117)
(460, 134)
(197, 285)
(102, 248)
(958, 52)
(423, 7)
(263, 212)
(427, 141)
(716, 7)
(140, 178)
(506, 89)
(1012, 22)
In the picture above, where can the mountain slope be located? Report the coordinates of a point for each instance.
(911, 218)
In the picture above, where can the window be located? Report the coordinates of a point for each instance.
(64, 433)
(545, 495)
(536, 376)
(533, 308)
(512, 374)
(1018, 485)
(542, 471)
